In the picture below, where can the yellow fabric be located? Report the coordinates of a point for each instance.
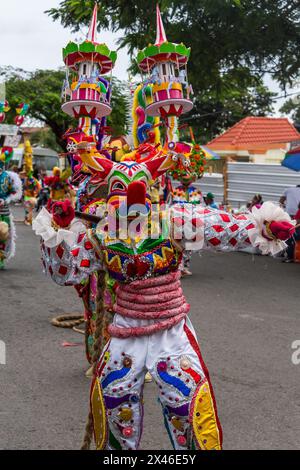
(28, 160)
(166, 86)
(204, 419)
(99, 416)
(91, 86)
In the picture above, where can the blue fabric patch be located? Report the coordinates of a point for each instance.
(115, 375)
(175, 382)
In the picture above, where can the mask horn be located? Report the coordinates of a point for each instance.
(100, 168)
(158, 166)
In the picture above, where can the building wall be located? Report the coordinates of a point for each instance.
(270, 156)
(255, 155)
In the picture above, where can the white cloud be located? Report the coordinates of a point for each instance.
(29, 39)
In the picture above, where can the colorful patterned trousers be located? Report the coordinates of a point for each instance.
(174, 360)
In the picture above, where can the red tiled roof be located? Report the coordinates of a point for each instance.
(256, 131)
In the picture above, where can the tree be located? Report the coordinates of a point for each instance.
(292, 106)
(118, 121)
(243, 39)
(42, 91)
(217, 110)
(45, 138)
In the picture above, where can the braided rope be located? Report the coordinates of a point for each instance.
(67, 321)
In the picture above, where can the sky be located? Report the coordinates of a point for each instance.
(29, 39)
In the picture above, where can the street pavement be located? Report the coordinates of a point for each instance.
(246, 312)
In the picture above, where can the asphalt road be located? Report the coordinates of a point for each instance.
(245, 309)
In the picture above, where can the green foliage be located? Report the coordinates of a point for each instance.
(42, 91)
(237, 97)
(258, 34)
(234, 43)
(118, 120)
(292, 106)
(45, 138)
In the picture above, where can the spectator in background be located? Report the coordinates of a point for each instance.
(290, 252)
(15, 169)
(210, 201)
(291, 200)
(297, 216)
(257, 201)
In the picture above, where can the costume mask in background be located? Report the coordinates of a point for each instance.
(56, 172)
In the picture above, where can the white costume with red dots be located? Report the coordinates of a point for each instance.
(151, 331)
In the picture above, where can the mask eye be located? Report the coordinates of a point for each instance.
(118, 186)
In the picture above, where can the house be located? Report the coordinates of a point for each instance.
(256, 140)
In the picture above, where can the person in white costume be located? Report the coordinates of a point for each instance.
(10, 191)
(151, 330)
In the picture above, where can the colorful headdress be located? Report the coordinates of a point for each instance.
(28, 160)
(4, 108)
(21, 111)
(6, 155)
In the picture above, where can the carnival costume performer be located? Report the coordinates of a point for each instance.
(60, 189)
(31, 186)
(140, 246)
(151, 330)
(86, 98)
(31, 191)
(10, 191)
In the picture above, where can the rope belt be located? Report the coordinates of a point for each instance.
(159, 298)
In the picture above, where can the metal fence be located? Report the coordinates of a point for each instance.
(246, 179)
(213, 183)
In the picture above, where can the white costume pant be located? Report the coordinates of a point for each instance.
(174, 360)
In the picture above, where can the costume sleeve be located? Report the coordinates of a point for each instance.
(15, 188)
(202, 228)
(67, 255)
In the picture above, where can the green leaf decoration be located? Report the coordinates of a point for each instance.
(113, 56)
(140, 56)
(181, 49)
(151, 50)
(167, 47)
(70, 49)
(87, 47)
(103, 50)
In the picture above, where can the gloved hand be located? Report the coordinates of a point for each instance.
(63, 213)
(282, 230)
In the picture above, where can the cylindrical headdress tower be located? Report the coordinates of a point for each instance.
(88, 96)
(165, 64)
